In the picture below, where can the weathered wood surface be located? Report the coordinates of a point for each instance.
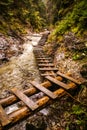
(48, 69)
(59, 83)
(68, 77)
(47, 74)
(43, 58)
(4, 119)
(44, 61)
(32, 105)
(44, 90)
(12, 99)
(44, 101)
(50, 64)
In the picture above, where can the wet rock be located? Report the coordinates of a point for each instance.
(2, 55)
(42, 126)
(3, 43)
(5, 94)
(37, 122)
(5, 59)
(83, 71)
(74, 126)
(9, 47)
(30, 127)
(73, 43)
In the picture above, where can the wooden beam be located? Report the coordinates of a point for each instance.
(12, 99)
(68, 77)
(32, 105)
(48, 74)
(43, 102)
(46, 64)
(61, 84)
(47, 69)
(44, 90)
(43, 58)
(4, 119)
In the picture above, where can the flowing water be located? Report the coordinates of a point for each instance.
(21, 69)
(17, 73)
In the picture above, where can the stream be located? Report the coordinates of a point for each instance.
(19, 70)
(17, 73)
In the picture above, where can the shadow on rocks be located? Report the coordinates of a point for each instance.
(42, 126)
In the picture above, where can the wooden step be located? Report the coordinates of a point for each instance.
(32, 105)
(4, 119)
(48, 69)
(39, 56)
(68, 77)
(39, 49)
(46, 64)
(47, 74)
(44, 90)
(59, 83)
(43, 58)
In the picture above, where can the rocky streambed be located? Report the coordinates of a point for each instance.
(19, 69)
(9, 47)
(17, 72)
(63, 114)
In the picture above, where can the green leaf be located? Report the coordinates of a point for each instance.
(77, 110)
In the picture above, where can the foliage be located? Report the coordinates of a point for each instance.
(76, 109)
(58, 9)
(72, 17)
(81, 114)
(16, 15)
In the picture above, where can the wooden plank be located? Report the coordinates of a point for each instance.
(46, 64)
(43, 58)
(25, 99)
(47, 74)
(68, 77)
(44, 90)
(30, 91)
(42, 102)
(48, 69)
(4, 119)
(44, 61)
(61, 84)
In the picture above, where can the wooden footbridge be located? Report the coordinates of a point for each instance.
(54, 86)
